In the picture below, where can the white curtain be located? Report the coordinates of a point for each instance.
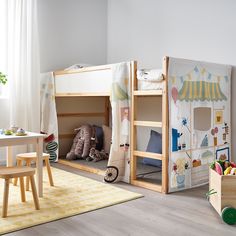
(23, 68)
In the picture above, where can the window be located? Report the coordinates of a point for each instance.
(202, 118)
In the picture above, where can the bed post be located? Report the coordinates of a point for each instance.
(165, 131)
(107, 111)
(133, 70)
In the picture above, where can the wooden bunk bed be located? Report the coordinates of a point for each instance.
(80, 83)
(76, 84)
(192, 87)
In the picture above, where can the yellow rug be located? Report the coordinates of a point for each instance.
(72, 195)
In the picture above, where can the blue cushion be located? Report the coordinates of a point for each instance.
(154, 145)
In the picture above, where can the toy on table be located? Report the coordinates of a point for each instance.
(8, 132)
(20, 132)
(14, 129)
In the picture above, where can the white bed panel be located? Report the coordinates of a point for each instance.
(84, 82)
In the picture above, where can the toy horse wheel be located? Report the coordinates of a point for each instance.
(111, 175)
(228, 215)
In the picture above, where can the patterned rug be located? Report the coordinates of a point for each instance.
(72, 195)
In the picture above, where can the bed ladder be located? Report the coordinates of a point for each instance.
(163, 186)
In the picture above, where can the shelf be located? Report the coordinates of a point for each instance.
(147, 92)
(148, 123)
(140, 183)
(151, 155)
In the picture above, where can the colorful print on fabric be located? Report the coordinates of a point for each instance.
(200, 91)
(222, 154)
(199, 120)
(119, 158)
(180, 170)
(125, 126)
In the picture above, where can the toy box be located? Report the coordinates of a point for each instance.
(224, 187)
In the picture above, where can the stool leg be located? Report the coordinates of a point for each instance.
(5, 198)
(28, 163)
(22, 189)
(34, 193)
(49, 171)
(18, 163)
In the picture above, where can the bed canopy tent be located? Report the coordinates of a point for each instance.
(195, 120)
(112, 82)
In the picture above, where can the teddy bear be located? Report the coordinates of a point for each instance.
(96, 155)
(82, 143)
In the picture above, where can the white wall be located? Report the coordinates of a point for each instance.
(147, 30)
(72, 31)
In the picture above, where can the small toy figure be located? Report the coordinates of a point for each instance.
(125, 124)
(95, 155)
(226, 131)
(204, 141)
(175, 136)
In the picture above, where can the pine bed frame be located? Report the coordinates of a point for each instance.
(63, 80)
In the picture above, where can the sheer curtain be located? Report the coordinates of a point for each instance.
(23, 68)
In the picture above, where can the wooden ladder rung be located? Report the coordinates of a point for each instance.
(148, 154)
(151, 186)
(148, 92)
(148, 123)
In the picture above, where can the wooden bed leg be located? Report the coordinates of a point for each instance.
(165, 132)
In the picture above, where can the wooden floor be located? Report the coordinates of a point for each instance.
(179, 214)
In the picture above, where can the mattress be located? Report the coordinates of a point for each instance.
(150, 79)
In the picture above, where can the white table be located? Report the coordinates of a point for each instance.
(31, 138)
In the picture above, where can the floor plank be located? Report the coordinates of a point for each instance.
(184, 213)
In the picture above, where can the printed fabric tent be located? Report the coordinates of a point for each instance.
(199, 120)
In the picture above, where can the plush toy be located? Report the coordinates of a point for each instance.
(95, 155)
(224, 167)
(83, 141)
(218, 168)
(228, 170)
(233, 164)
(233, 171)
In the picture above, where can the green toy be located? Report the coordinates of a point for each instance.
(228, 215)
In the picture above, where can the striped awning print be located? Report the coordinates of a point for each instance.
(201, 91)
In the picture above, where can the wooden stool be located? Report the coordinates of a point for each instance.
(18, 172)
(31, 157)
